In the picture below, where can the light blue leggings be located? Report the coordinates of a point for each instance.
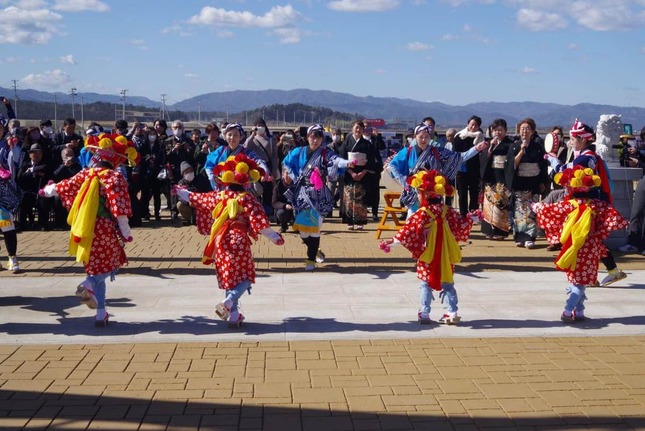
(447, 292)
(235, 293)
(97, 284)
(576, 300)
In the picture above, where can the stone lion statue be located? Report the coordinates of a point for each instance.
(608, 131)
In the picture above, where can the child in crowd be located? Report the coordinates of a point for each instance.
(238, 216)
(98, 201)
(431, 234)
(582, 221)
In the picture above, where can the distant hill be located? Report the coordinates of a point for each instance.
(390, 108)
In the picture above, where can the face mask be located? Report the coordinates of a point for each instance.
(409, 140)
(14, 131)
(152, 138)
(177, 132)
(261, 130)
(335, 138)
(189, 176)
(367, 137)
(48, 130)
(35, 136)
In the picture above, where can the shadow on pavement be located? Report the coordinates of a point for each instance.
(201, 325)
(53, 410)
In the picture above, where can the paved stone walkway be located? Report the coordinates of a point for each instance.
(340, 352)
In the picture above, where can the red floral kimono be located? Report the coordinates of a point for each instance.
(603, 219)
(230, 247)
(444, 253)
(106, 252)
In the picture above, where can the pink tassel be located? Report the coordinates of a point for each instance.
(385, 247)
(316, 179)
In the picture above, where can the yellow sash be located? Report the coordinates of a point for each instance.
(82, 216)
(221, 213)
(576, 228)
(450, 251)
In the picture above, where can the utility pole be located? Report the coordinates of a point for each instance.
(55, 112)
(15, 96)
(82, 118)
(72, 93)
(123, 93)
(199, 111)
(163, 106)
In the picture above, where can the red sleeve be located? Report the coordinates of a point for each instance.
(411, 235)
(204, 204)
(607, 219)
(258, 219)
(68, 189)
(459, 226)
(116, 193)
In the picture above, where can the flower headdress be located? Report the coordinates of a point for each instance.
(238, 169)
(431, 182)
(113, 148)
(578, 179)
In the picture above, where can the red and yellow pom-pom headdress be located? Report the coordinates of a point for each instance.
(578, 179)
(113, 148)
(432, 183)
(238, 169)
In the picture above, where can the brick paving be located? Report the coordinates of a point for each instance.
(536, 383)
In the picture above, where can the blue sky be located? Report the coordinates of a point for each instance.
(451, 51)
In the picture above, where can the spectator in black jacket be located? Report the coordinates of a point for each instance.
(281, 206)
(194, 183)
(67, 169)
(468, 177)
(67, 138)
(33, 176)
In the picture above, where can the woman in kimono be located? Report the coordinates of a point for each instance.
(306, 170)
(496, 223)
(527, 178)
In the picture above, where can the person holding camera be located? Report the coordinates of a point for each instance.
(34, 175)
(213, 141)
(181, 150)
(67, 138)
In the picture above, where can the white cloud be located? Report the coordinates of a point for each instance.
(52, 79)
(573, 46)
(225, 34)
(380, 72)
(191, 76)
(528, 70)
(28, 26)
(30, 4)
(278, 16)
(176, 28)
(68, 59)
(139, 43)
(418, 46)
(449, 37)
(288, 35)
(536, 20)
(81, 5)
(606, 16)
(363, 5)
(8, 60)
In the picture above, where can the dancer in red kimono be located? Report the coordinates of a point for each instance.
(431, 234)
(99, 206)
(581, 222)
(238, 218)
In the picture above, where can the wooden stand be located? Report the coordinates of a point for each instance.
(393, 212)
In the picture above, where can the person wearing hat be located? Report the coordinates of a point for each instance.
(582, 221)
(237, 217)
(424, 155)
(193, 183)
(305, 170)
(582, 138)
(34, 175)
(431, 234)
(99, 206)
(233, 133)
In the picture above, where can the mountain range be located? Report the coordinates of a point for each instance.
(391, 109)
